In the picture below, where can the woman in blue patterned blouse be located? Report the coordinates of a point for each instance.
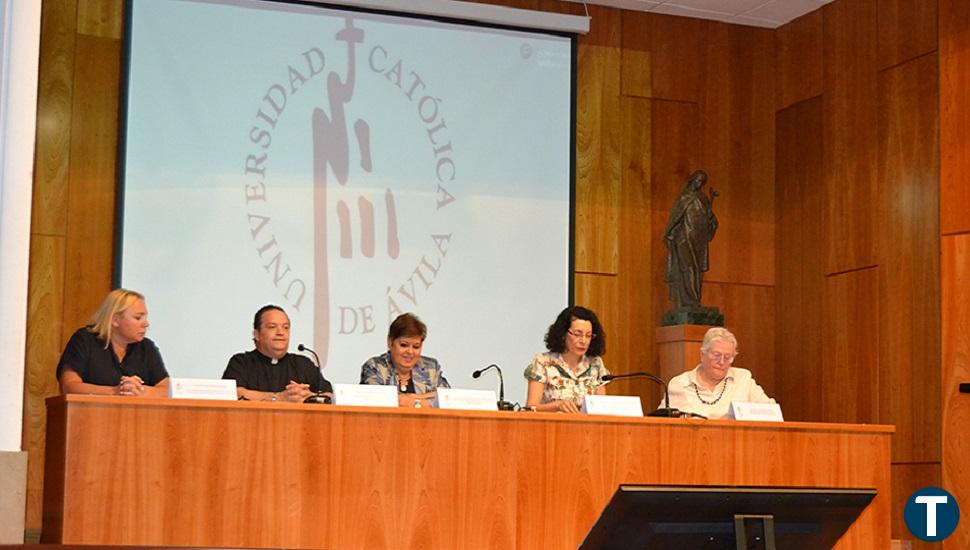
(417, 377)
(560, 379)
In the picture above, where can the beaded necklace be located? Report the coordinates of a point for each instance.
(719, 396)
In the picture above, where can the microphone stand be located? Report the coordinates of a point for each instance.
(503, 405)
(318, 397)
(665, 411)
(301, 347)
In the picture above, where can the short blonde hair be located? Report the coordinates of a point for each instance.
(117, 301)
(718, 334)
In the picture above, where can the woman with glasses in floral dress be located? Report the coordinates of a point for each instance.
(572, 368)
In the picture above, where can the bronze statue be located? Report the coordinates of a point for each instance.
(689, 231)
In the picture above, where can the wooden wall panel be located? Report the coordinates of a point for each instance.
(636, 76)
(736, 135)
(749, 312)
(909, 269)
(54, 104)
(954, 115)
(72, 232)
(851, 379)
(636, 280)
(45, 302)
(799, 289)
(954, 52)
(955, 332)
(94, 138)
(908, 478)
(798, 47)
(849, 129)
(597, 159)
(100, 18)
(907, 29)
(600, 293)
(675, 55)
(48, 229)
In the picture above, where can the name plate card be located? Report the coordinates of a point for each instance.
(761, 412)
(467, 400)
(365, 395)
(616, 405)
(197, 388)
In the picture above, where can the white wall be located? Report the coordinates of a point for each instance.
(19, 54)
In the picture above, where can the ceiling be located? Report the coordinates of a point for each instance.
(755, 13)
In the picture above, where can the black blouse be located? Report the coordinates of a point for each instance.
(86, 355)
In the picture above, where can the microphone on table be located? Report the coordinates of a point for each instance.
(301, 347)
(503, 405)
(663, 411)
(318, 397)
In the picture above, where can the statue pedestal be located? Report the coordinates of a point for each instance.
(693, 315)
(679, 348)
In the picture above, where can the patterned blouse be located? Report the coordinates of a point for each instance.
(560, 382)
(426, 374)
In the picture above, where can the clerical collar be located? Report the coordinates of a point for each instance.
(268, 359)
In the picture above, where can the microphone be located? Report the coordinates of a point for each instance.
(317, 397)
(301, 347)
(503, 405)
(663, 411)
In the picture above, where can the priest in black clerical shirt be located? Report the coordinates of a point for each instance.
(269, 373)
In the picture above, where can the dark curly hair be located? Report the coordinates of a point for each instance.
(556, 336)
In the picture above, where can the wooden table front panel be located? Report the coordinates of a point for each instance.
(197, 473)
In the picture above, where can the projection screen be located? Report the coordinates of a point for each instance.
(347, 166)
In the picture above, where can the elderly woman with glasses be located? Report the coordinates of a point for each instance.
(712, 385)
(560, 379)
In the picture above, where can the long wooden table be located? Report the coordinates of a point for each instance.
(127, 471)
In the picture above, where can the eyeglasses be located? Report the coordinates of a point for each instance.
(582, 335)
(718, 357)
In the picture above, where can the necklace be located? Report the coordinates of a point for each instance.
(719, 396)
(402, 383)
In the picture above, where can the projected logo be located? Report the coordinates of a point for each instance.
(344, 167)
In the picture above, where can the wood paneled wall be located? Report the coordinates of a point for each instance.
(908, 253)
(857, 192)
(956, 370)
(820, 136)
(72, 222)
(801, 283)
(954, 63)
(955, 116)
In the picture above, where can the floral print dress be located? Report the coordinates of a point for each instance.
(560, 382)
